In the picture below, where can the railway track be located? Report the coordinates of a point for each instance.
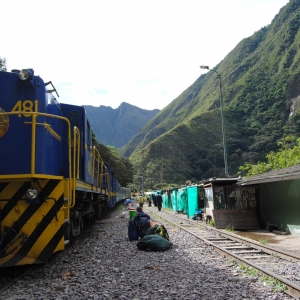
(9, 276)
(251, 255)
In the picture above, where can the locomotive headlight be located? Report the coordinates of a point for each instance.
(25, 75)
(32, 193)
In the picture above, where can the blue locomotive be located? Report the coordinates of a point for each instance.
(53, 182)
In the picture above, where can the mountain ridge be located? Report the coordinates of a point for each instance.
(116, 127)
(259, 80)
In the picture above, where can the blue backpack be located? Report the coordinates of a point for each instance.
(142, 221)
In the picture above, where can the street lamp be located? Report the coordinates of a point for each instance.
(222, 117)
(143, 184)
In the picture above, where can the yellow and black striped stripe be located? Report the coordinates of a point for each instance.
(42, 223)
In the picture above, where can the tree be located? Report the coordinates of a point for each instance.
(114, 151)
(122, 167)
(287, 155)
(2, 64)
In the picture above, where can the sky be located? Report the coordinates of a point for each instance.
(143, 52)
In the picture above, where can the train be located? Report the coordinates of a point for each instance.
(53, 181)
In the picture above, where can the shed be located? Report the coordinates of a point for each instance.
(280, 198)
(231, 206)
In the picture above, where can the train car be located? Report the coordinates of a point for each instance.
(125, 193)
(122, 193)
(112, 188)
(53, 183)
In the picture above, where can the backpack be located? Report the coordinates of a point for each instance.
(158, 229)
(141, 221)
(153, 242)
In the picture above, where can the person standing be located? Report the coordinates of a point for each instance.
(158, 199)
(153, 199)
(141, 200)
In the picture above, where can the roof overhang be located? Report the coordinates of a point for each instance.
(271, 178)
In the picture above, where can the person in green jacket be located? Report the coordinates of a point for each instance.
(141, 200)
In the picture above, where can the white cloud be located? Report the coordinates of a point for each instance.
(144, 52)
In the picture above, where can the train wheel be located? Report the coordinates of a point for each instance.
(98, 211)
(93, 219)
(81, 224)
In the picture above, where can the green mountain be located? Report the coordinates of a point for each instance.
(261, 89)
(116, 127)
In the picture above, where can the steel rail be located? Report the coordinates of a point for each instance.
(292, 289)
(14, 280)
(265, 248)
(243, 240)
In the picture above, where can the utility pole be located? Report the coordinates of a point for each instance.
(143, 184)
(162, 175)
(222, 119)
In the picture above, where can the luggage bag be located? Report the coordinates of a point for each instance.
(133, 232)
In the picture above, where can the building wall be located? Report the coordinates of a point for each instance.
(281, 204)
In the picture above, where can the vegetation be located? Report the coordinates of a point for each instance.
(121, 166)
(262, 241)
(260, 79)
(261, 92)
(287, 155)
(229, 228)
(2, 64)
(252, 272)
(276, 285)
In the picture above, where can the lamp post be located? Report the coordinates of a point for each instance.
(222, 117)
(143, 184)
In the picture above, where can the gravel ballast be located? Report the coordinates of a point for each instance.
(103, 264)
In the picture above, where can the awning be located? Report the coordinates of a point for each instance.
(289, 173)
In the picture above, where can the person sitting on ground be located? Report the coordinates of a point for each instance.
(142, 221)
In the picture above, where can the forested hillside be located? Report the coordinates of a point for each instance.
(121, 166)
(261, 88)
(117, 126)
